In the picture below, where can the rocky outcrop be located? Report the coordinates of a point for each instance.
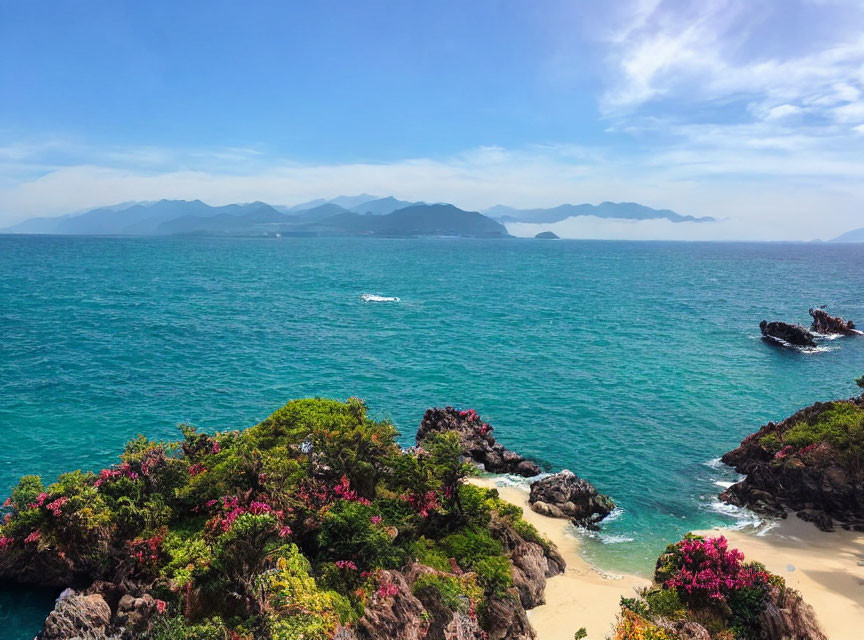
(532, 562)
(788, 617)
(566, 495)
(827, 324)
(134, 615)
(78, 616)
(399, 615)
(820, 482)
(508, 622)
(786, 335)
(477, 441)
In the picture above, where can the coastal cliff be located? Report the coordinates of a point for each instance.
(811, 463)
(312, 524)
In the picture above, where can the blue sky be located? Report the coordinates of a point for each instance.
(749, 112)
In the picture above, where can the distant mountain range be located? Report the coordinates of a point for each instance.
(625, 210)
(363, 214)
(367, 216)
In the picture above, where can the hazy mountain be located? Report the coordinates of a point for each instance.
(320, 212)
(349, 202)
(382, 206)
(856, 235)
(625, 210)
(138, 219)
(255, 217)
(346, 202)
(416, 220)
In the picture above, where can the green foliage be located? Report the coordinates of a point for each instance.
(771, 443)
(495, 574)
(455, 593)
(270, 532)
(298, 608)
(470, 546)
(842, 426)
(348, 533)
(178, 628)
(664, 603)
(580, 634)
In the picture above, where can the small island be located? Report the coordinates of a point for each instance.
(547, 235)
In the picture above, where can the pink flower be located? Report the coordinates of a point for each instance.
(40, 500)
(197, 468)
(387, 590)
(284, 531)
(710, 570)
(54, 507)
(161, 605)
(33, 537)
(5, 542)
(346, 564)
(7, 502)
(376, 519)
(258, 508)
(216, 448)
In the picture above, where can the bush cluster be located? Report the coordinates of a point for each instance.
(278, 531)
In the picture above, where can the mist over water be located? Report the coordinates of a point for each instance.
(633, 364)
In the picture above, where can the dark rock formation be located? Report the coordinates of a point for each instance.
(78, 616)
(785, 334)
(830, 325)
(547, 235)
(820, 482)
(566, 495)
(477, 441)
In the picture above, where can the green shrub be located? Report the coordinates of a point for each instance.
(664, 603)
(842, 426)
(470, 546)
(771, 443)
(348, 533)
(495, 574)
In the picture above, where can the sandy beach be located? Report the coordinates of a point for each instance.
(581, 596)
(826, 568)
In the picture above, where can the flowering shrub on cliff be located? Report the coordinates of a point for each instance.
(703, 581)
(288, 529)
(703, 569)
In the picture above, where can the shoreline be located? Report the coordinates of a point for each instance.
(827, 569)
(580, 597)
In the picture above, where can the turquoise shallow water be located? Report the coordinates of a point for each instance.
(634, 364)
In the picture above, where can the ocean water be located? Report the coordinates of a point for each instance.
(636, 365)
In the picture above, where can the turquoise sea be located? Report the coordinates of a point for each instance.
(633, 364)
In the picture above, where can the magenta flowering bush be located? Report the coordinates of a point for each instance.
(705, 569)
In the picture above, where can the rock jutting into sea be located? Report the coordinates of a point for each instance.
(830, 325)
(786, 334)
(566, 495)
(477, 441)
(811, 463)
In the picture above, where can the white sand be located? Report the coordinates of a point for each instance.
(581, 596)
(823, 567)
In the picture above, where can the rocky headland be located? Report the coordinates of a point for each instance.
(313, 524)
(811, 463)
(566, 495)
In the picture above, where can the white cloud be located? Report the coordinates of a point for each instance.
(782, 111)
